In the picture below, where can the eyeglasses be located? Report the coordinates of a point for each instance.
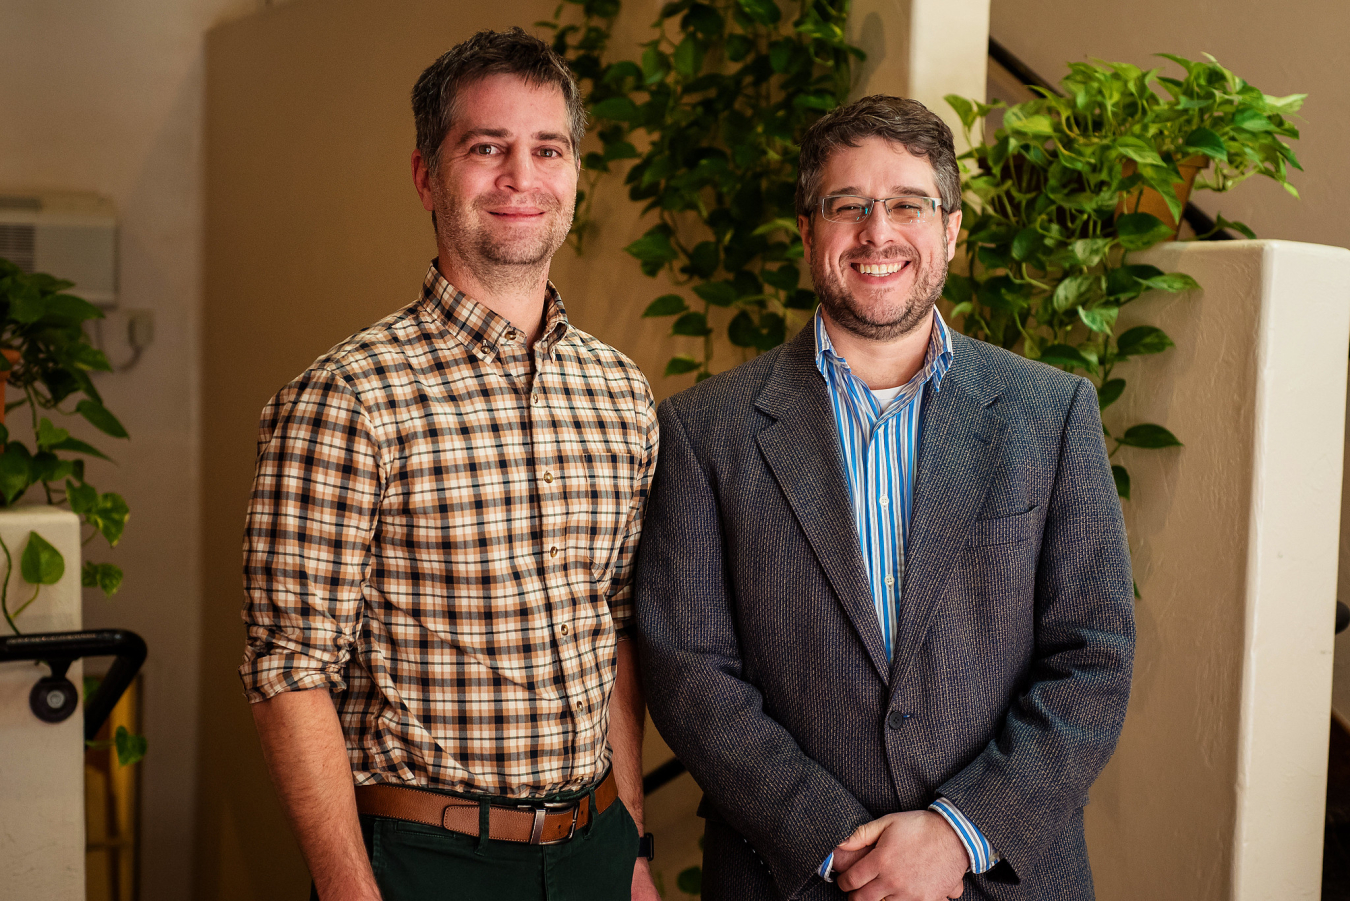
(906, 210)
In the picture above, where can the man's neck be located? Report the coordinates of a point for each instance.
(516, 293)
(882, 364)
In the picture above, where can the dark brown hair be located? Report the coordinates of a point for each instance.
(513, 52)
(905, 122)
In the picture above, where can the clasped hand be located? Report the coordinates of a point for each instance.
(909, 856)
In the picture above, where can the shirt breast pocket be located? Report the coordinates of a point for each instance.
(599, 507)
(1011, 529)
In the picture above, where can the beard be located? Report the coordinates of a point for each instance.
(883, 321)
(510, 252)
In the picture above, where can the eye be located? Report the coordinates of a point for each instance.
(550, 152)
(482, 149)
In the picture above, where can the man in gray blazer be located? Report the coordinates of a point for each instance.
(884, 592)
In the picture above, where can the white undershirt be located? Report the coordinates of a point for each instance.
(884, 396)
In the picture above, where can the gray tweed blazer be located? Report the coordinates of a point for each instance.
(763, 659)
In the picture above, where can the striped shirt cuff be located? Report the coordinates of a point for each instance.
(826, 870)
(982, 857)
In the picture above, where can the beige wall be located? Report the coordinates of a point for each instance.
(106, 96)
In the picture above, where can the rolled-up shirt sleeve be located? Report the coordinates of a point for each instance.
(307, 537)
(621, 609)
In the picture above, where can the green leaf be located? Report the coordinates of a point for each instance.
(690, 881)
(100, 418)
(742, 330)
(964, 108)
(653, 247)
(1208, 142)
(1172, 282)
(1090, 251)
(1099, 319)
(1122, 477)
(1142, 339)
(1027, 242)
(681, 364)
(692, 324)
(617, 109)
(41, 564)
(719, 294)
(130, 747)
(1149, 436)
(1074, 290)
(1109, 392)
(784, 278)
(1064, 355)
(1140, 230)
(16, 472)
(765, 12)
(689, 56)
(1249, 119)
(104, 576)
(49, 435)
(1137, 150)
(665, 305)
(655, 65)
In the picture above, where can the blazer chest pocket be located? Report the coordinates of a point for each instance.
(1004, 529)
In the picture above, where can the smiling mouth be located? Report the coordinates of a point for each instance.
(880, 269)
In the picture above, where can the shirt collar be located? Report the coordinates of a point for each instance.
(937, 359)
(480, 329)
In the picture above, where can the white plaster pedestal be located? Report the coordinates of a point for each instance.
(41, 764)
(1216, 791)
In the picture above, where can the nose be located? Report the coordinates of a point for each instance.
(878, 229)
(517, 172)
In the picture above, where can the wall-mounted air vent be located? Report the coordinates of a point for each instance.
(70, 236)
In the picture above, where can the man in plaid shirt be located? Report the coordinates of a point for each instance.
(439, 547)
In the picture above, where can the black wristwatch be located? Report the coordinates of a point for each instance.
(647, 846)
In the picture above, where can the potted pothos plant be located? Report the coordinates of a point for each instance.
(1058, 198)
(46, 360)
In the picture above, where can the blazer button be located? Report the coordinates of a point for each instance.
(895, 719)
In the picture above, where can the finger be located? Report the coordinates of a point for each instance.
(864, 835)
(861, 872)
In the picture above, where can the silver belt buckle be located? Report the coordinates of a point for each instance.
(537, 829)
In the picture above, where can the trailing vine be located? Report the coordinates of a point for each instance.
(720, 95)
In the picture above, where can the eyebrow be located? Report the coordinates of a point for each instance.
(896, 191)
(473, 133)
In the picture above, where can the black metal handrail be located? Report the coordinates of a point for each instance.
(1195, 217)
(54, 698)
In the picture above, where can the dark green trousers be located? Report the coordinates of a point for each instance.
(413, 862)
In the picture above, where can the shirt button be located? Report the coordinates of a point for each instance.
(548, 477)
(895, 719)
(484, 350)
(884, 501)
(890, 580)
(534, 398)
(553, 552)
(580, 705)
(563, 630)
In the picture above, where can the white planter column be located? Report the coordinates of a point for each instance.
(41, 764)
(1217, 788)
(922, 49)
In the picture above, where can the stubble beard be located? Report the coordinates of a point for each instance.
(882, 323)
(495, 260)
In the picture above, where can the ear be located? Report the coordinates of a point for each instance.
(804, 226)
(422, 180)
(953, 227)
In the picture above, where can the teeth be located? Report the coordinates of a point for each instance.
(887, 269)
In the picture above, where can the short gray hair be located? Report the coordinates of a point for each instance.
(513, 52)
(901, 121)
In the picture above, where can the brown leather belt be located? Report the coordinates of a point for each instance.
(536, 824)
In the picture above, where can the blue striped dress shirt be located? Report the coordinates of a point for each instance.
(880, 443)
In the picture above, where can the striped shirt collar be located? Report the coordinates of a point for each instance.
(937, 359)
(476, 326)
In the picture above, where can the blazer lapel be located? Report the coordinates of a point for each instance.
(802, 450)
(958, 448)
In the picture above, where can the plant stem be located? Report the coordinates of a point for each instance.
(4, 588)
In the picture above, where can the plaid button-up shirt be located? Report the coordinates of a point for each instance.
(442, 534)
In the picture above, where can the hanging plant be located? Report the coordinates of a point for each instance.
(46, 356)
(1054, 202)
(718, 99)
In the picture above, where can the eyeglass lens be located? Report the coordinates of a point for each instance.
(901, 210)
